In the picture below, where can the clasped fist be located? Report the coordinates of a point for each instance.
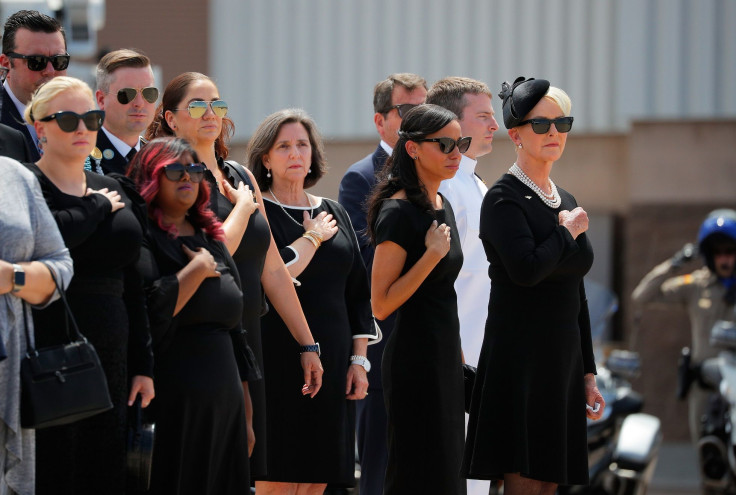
(437, 239)
(202, 260)
(324, 224)
(576, 221)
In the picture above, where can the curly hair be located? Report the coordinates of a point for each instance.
(172, 99)
(146, 170)
(399, 171)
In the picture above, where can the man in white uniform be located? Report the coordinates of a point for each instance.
(470, 100)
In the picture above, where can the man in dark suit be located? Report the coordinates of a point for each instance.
(34, 52)
(13, 144)
(126, 92)
(392, 98)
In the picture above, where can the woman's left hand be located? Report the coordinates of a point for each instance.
(141, 385)
(357, 383)
(593, 397)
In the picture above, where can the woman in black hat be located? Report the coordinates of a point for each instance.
(537, 371)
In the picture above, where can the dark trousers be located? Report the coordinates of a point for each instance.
(372, 451)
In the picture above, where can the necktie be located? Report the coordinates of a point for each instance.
(130, 154)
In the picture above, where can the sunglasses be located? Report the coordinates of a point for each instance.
(69, 121)
(541, 126)
(37, 63)
(198, 108)
(175, 171)
(448, 144)
(126, 95)
(402, 108)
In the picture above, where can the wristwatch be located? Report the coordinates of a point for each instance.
(19, 278)
(310, 348)
(362, 361)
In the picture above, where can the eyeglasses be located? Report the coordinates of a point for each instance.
(448, 144)
(198, 108)
(69, 121)
(175, 171)
(541, 126)
(37, 63)
(402, 108)
(126, 95)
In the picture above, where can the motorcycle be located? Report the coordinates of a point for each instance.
(717, 445)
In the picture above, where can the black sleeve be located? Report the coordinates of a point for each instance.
(140, 349)
(586, 338)
(77, 223)
(354, 189)
(505, 226)
(161, 294)
(393, 224)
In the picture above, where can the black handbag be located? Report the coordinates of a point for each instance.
(61, 384)
(141, 435)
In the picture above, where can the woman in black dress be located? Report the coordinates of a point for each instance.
(194, 305)
(418, 257)
(236, 201)
(310, 442)
(536, 371)
(98, 223)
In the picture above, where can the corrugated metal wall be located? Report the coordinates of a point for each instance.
(618, 59)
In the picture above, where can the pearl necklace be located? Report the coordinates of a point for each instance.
(311, 207)
(553, 201)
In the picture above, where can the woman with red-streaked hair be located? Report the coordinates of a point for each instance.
(194, 306)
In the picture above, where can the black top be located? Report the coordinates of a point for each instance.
(422, 363)
(528, 406)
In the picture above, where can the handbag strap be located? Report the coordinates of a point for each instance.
(77, 335)
(239, 169)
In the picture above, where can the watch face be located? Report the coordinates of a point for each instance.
(19, 278)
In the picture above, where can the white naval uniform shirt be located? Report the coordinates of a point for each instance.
(465, 193)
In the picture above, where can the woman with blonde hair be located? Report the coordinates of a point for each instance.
(103, 232)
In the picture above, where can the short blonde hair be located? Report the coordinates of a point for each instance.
(43, 96)
(561, 98)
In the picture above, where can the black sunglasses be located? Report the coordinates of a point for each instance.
(448, 144)
(541, 126)
(402, 108)
(126, 95)
(175, 171)
(37, 63)
(69, 121)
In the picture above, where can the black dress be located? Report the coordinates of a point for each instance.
(249, 258)
(107, 300)
(528, 407)
(201, 434)
(313, 440)
(422, 363)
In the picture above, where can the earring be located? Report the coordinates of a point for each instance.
(520, 146)
(268, 174)
(43, 140)
(310, 171)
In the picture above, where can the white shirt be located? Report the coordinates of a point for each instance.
(465, 193)
(119, 144)
(388, 149)
(22, 111)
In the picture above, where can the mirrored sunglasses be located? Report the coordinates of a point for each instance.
(126, 95)
(402, 108)
(198, 108)
(541, 126)
(69, 121)
(448, 144)
(37, 63)
(175, 171)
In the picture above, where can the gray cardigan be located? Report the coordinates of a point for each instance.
(28, 232)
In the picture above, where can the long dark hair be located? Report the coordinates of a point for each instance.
(400, 171)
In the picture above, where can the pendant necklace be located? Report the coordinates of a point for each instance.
(311, 207)
(553, 200)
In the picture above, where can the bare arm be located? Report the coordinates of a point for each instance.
(390, 289)
(236, 222)
(38, 287)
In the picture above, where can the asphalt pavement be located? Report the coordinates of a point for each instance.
(676, 472)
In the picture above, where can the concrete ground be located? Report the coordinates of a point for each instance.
(676, 472)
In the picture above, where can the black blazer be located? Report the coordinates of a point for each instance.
(11, 118)
(117, 163)
(13, 144)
